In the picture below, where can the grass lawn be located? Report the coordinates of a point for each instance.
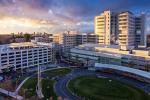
(92, 88)
(57, 72)
(28, 90)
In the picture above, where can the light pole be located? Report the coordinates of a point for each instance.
(39, 85)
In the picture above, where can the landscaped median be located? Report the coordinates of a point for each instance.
(93, 88)
(57, 72)
(28, 90)
(10, 84)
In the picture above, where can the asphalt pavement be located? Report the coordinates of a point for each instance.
(62, 90)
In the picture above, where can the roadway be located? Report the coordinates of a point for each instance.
(62, 90)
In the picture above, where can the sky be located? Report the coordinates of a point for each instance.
(60, 15)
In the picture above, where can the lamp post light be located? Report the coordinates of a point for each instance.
(39, 85)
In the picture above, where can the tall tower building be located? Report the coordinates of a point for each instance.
(122, 28)
(140, 30)
(106, 28)
(126, 30)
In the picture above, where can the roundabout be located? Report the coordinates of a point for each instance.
(84, 84)
(93, 88)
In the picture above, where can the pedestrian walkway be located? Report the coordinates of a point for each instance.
(11, 94)
(21, 84)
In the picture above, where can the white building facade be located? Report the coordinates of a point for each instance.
(140, 30)
(126, 30)
(84, 38)
(66, 40)
(139, 59)
(25, 55)
(106, 27)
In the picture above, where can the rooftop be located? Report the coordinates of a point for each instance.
(114, 49)
(23, 45)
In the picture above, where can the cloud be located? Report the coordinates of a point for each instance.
(57, 15)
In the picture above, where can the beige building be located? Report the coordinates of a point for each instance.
(83, 38)
(106, 27)
(66, 40)
(122, 28)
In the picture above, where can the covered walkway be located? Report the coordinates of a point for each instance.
(11, 94)
(135, 73)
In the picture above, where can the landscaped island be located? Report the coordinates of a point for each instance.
(28, 90)
(93, 88)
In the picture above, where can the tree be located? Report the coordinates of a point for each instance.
(27, 37)
(13, 37)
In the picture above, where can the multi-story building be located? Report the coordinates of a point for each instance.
(140, 30)
(126, 30)
(94, 53)
(25, 55)
(83, 38)
(122, 28)
(92, 38)
(106, 28)
(66, 40)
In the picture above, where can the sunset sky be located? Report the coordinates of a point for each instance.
(59, 15)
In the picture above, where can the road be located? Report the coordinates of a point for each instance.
(11, 94)
(60, 87)
(62, 90)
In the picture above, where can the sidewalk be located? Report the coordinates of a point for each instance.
(11, 94)
(21, 85)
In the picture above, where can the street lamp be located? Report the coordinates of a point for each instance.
(39, 85)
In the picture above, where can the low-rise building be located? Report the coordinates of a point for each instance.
(66, 40)
(83, 38)
(111, 55)
(43, 39)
